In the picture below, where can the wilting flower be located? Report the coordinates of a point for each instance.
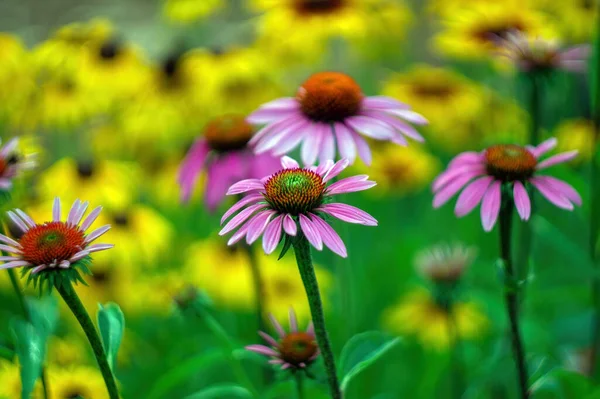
(12, 163)
(538, 55)
(501, 165)
(54, 244)
(444, 263)
(278, 202)
(224, 153)
(330, 110)
(295, 349)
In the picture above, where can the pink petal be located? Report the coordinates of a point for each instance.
(279, 136)
(13, 264)
(312, 143)
(73, 212)
(551, 195)
(289, 225)
(9, 147)
(293, 320)
(370, 127)
(453, 172)
(364, 152)
(490, 206)
(223, 171)
(190, 168)
(522, 201)
(351, 184)
(281, 103)
(240, 218)
(270, 340)
(454, 186)
(257, 225)
(99, 247)
(56, 210)
(562, 188)
(263, 350)
(556, 159)
(272, 235)
(265, 115)
(9, 241)
(348, 213)
(277, 326)
(248, 199)
(327, 145)
(26, 218)
(311, 232)
(337, 168)
(397, 124)
(10, 250)
(382, 102)
(544, 147)
(97, 233)
(90, 219)
(289, 163)
(466, 158)
(345, 142)
(244, 186)
(330, 238)
(17, 220)
(323, 167)
(293, 138)
(238, 235)
(410, 116)
(472, 195)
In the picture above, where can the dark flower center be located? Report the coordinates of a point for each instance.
(298, 347)
(51, 242)
(493, 34)
(283, 288)
(329, 97)
(433, 90)
(110, 50)
(317, 6)
(294, 191)
(85, 169)
(228, 133)
(121, 219)
(171, 64)
(509, 162)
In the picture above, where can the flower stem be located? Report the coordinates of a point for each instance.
(307, 272)
(228, 347)
(506, 214)
(299, 385)
(66, 291)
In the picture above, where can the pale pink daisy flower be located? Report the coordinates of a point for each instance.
(291, 350)
(278, 203)
(483, 175)
(54, 244)
(224, 154)
(12, 163)
(331, 111)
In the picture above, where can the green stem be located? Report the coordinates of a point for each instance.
(458, 382)
(307, 272)
(506, 214)
(259, 288)
(66, 291)
(299, 385)
(228, 347)
(535, 96)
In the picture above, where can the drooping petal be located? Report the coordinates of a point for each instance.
(222, 172)
(327, 145)
(345, 142)
(245, 186)
(312, 143)
(289, 225)
(238, 235)
(348, 213)
(410, 116)
(311, 232)
(289, 163)
(9, 249)
(240, 218)
(454, 186)
(364, 152)
(279, 136)
(263, 350)
(556, 159)
(26, 218)
(190, 168)
(337, 168)
(470, 157)
(9, 241)
(490, 206)
(17, 221)
(551, 195)
(522, 201)
(272, 234)
(563, 188)
(398, 125)
(330, 238)
(257, 225)
(472, 195)
(370, 127)
(292, 138)
(248, 199)
(13, 264)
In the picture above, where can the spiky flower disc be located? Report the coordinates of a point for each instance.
(295, 191)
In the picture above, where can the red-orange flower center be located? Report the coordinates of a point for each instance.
(329, 97)
(294, 191)
(51, 243)
(509, 162)
(308, 7)
(228, 132)
(298, 347)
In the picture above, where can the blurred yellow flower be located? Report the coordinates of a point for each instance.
(10, 382)
(67, 351)
(112, 184)
(419, 315)
(400, 170)
(450, 102)
(164, 190)
(470, 32)
(576, 19)
(578, 135)
(301, 29)
(78, 381)
(444, 7)
(16, 79)
(189, 11)
(155, 294)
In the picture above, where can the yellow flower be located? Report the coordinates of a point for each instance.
(302, 29)
(576, 19)
(189, 11)
(400, 170)
(112, 184)
(67, 351)
(419, 315)
(578, 135)
(451, 102)
(80, 381)
(165, 191)
(156, 293)
(469, 32)
(10, 382)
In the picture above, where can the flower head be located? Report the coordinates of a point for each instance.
(224, 153)
(293, 350)
(53, 245)
(11, 163)
(508, 166)
(278, 202)
(540, 55)
(444, 263)
(328, 110)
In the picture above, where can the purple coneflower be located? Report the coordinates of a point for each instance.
(224, 153)
(539, 54)
(484, 173)
(293, 350)
(330, 110)
(54, 244)
(276, 203)
(11, 163)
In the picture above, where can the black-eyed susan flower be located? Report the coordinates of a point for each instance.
(224, 153)
(330, 114)
(295, 349)
(189, 11)
(577, 135)
(17, 79)
(418, 314)
(10, 382)
(78, 381)
(53, 245)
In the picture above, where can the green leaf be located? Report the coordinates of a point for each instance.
(287, 243)
(361, 351)
(44, 314)
(7, 353)
(562, 383)
(111, 323)
(222, 392)
(30, 348)
(186, 369)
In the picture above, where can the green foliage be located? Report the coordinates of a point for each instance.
(111, 323)
(221, 392)
(562, 384)
(30, 346)
(47, 279)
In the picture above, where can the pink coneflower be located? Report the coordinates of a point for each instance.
(540, 54)
(54, 244)
(293, 350)
(11, 163)
(276, 203)
(224, 153)
(484, 174)
(331, 111)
